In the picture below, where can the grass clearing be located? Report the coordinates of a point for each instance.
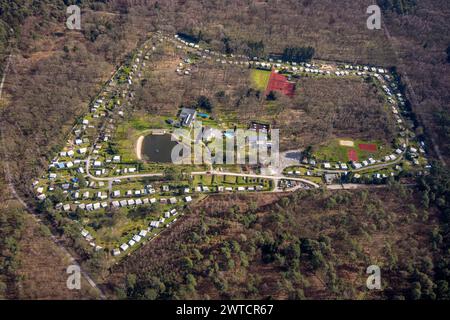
(260, 78)
(335, 152)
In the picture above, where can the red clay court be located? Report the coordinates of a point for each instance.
(368, 147)
(278, 82)
(352, 155)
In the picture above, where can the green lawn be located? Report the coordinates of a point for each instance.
(212, 180)
(335, 152)
(128, 132)
(260, 78)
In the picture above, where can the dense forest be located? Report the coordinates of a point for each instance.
(435, 190)
(305, 245)
(298, 54)
(11, 229)
(398, 6)
(301, 246)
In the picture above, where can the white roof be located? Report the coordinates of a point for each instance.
(154, 224)
(143, 233)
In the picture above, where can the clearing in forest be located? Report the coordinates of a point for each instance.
(260, 78)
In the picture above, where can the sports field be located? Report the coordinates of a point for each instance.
(345, 150)
(368, 147)
(278, 82)
(352, 155)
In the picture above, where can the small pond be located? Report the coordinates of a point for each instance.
(158, 148)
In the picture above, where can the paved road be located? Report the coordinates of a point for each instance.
(353, 186)
(270, 177)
